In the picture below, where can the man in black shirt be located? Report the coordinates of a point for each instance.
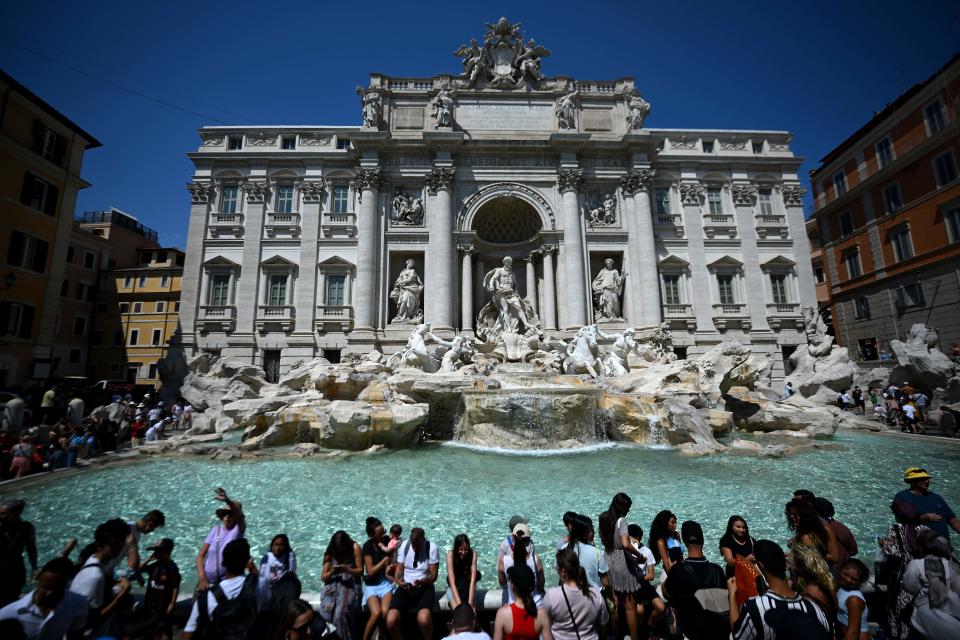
(697, 590)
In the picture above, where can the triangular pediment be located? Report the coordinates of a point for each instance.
(726, 262)
(220, 261)
(278, 261)
(675, 262)
(336, 261)
(779, 261)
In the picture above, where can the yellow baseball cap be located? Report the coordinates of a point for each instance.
(915, 473)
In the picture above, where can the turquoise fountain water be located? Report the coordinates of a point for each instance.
(450, 489)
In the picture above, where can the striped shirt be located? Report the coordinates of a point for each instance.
(753, 623)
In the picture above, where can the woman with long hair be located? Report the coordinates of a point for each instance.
(575, 609)
(462, 574)
(900, 547)
(592, 561)
(736, 547)
(279, 567)
(622, 561)
(521, 620)
(377, 587)
(342, 568)
(665, 541)
(809, 556)
(521, 555)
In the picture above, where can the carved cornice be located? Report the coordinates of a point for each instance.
(369, 179)
(733, 144)
(683, 144)
(215, 140)
(637, 181)
(691, 192)
(256, 192)
(261, 139)
(312, 190)
(199, 192)
(743, 194)
(439, 178)
(793, 195)
(569, 179)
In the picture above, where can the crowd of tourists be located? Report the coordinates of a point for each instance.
(610, 580)
(65, 434)
(902, 407)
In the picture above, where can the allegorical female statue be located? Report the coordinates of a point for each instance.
(607, 287)
(406, 294)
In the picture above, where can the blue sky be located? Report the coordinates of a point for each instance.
(818, 69)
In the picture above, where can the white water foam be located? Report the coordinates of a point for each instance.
(544, 453)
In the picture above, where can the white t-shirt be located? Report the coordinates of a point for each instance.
(153, 433)
(154, 414)
(470, 635)
(405, 556)
(69, 615)
(909, 411)
(231, 589)
(89, 582)
(648, 559)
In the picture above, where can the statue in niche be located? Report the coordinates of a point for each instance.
(407, 210)
(607, 289)
(371, 109)
(566, 110)
(639, 110)
(603, 210)
(442, 108)
(406, 294)
(507, 312)
(615, 362)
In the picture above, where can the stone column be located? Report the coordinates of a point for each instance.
(205, 287)
(631, 297)
(439, 268)
(466, 289)
(305, 298)
(532, 283)
(575, 293)
(193, 272)
(646, 279)
(549, 291)
(364, 307)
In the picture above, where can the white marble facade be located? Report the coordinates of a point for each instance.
(298, 235)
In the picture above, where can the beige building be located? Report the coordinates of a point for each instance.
(41, 152)
(137, 315)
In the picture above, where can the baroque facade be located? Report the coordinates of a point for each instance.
(307, 241)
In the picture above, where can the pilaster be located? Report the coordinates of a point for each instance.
(569, 182)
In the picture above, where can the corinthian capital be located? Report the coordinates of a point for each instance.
(199, 192)
(793, 194)
(691, 192)
(313, 190)
(255, 191)
(743, 194)
(439, 178)
(645, 178)
(569, 179)
(368, 179)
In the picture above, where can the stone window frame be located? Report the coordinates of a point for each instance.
(786, 267)
(335, 266)
(852, 251)
(273, 266)
(839, 182)
(727, 265)
(283, 184)
(219, 266)
(348, 201)
(234, 138)
(886, 198)
(936, 173)
(901, 231)
(878, 145)
(942, 112)
(861, 308)
(285, 138)
(234, 186)
(675, 266)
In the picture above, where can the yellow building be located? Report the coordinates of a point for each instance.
(41, 152)
(137, 314)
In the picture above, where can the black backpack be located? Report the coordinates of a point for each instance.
(232, 619)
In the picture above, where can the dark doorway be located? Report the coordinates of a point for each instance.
(271, 364)
(332, 355)
(868, 349)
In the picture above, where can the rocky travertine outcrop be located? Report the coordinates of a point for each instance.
(213, 382)
(756, 411)
(921, 363)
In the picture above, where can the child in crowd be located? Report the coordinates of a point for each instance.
(852, 605)
(390, 548)
(649, 601)
(163, 587)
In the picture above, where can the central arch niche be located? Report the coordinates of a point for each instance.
(506, 220)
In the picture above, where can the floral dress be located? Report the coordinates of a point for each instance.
(339, 598)
(899, 601)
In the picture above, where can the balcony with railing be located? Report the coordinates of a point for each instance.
(727, 315)
(679, 316)
(279, 316)
(783, 314)
(771, 225)
(719, 224)
(282, 223)
(217, 318)
(334, 317)
(335, 224)
(668, 223)
(226, 224)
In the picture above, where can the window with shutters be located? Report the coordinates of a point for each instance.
(671, 288)
(220, 290)
(27, 252)
(852, 262)
(902, 246)
(945, 168)
(663, 201)
(892, 200)
(277, 290)
(934, 117)
(861, 308)
(778, 286)
(714, 201)
(884, 150)
(910, 295)
(952, 218)
(156, 337)
(39, 194)
(765, 201)
(16, 319)
(725, 287)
